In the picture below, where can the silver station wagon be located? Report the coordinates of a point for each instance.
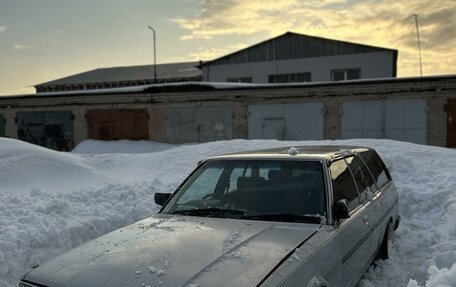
(307, 216)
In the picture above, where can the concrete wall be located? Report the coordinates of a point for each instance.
(235, 103)
(372, 65)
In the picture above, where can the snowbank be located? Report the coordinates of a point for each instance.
(51, 201)
(120, 146)
(439, 277)
(24, 167)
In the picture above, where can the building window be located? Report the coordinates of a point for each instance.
(290, 78)
(343, 75)
(240, 80)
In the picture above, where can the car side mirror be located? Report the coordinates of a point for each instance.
(341, 209)
(161, 198)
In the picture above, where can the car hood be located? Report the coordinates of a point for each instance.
(172, 250)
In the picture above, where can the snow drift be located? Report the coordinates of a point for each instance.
(120, 146)
(51, 201)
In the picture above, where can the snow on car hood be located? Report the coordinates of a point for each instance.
(176, 251)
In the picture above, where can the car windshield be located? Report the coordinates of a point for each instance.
(292, 191)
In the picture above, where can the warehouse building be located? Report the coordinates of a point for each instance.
(420, 110)
(293, 57)
(290, 57)
(116, 77)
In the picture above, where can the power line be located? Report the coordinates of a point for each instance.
(404, 35)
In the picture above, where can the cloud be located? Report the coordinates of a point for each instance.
(3, 28)
(439, 27)
(21, 47)
(212, 53)
(234, 17)
(386, 23)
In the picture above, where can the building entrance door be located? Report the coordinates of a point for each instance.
(451, 123)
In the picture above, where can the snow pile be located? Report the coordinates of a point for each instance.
(51, 201)
(24, 167)
(120, 146)
(439, 277)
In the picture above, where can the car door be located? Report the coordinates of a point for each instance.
(352, 233)
(384, 195)
(371, 214)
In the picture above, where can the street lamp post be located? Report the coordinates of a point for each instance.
(418, 42)
(155, 56)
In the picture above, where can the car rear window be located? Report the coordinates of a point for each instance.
(362, 177)
(344, 186)
(377, 167)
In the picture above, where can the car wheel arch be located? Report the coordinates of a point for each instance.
(383, 252)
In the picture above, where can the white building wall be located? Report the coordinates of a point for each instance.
(372, 65)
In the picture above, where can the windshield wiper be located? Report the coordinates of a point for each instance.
(209, 211)
(285, 217)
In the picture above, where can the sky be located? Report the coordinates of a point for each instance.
(43, 40)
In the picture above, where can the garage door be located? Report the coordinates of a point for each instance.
(403, 120)
(362, 119)
(117, 124)
(51, 129)
(2, 125)
(296, 121)
(198, 124)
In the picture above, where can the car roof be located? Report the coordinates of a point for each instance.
(311, 152)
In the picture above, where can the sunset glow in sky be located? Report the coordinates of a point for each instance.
(42, 40)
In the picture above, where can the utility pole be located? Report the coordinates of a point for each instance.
(155, 56)
(419, 44)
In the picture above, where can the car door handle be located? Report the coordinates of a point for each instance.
(366, 220)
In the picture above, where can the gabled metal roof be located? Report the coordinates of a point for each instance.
(293, 45)
(130, 73)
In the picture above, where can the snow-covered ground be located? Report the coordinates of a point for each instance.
(120, 146)
(52, 201)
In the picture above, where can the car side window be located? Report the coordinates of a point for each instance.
(363, 179)
(376, 167)
(343, 184)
